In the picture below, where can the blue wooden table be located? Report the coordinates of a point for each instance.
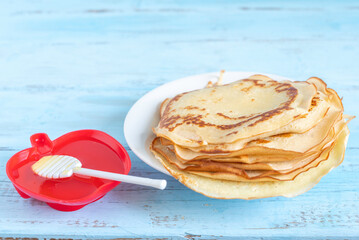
(76, 64)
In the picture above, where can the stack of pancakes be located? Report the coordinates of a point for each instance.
(252, 138)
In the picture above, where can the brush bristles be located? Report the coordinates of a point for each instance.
(56, 166)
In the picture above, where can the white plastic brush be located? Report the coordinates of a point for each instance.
(62, 166)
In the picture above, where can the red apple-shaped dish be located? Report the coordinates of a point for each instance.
(95, 149)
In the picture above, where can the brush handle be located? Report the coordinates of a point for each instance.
(155, 183)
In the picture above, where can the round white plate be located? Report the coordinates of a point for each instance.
(144, 114)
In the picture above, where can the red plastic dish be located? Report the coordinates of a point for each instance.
(95, 149)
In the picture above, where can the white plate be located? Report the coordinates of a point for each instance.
(144, 114)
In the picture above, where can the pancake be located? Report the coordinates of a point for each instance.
(224, 189)
(208, 116)
(331, 110)
(253, 138)
(319, 108)
(232, 172)
(207, 164)
(262, 160)
(282, 144)
(259, 176)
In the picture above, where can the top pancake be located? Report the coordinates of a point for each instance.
(242, 109)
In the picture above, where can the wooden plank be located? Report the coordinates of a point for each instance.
(69, 65)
